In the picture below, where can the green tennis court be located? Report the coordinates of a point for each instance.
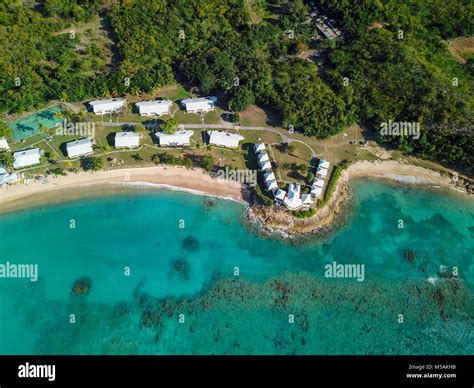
(30, 125)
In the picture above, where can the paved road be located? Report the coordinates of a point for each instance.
(283, 133)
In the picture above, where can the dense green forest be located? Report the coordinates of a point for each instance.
(372, 74)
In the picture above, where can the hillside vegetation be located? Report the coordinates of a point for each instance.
(399, 71)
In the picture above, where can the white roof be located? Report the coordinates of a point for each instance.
(265, 165)
(270, 176)
(79, 148)
(307, 200)
(6, 179)
(201, 103)
(316, 191)
(323, 172)
(3, 144)
(324, 163)
(225, 139)
(318, 182)
(127, 139)
(280, 194)
(259, 147)
(154, 107)
(154, 103)
(26, 158)
(179, 138)
(109, 101)
(293, 201)
(271, 185)
(263, 157)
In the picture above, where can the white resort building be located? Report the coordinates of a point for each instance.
(26, 158)
(319, 181)
(259, 147)
(100, 107)
(224, 139)
(263, 157)
(317, 191)
(127, 139)
(79, 148)
(154, 108)
(293, 200)
(322, 172)
(7, 178)
(265, 166)
(280, 196)
(178, 139)
(272, 185)
(3, 144)
(201, 104)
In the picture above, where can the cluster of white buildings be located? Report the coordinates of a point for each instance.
(322, 173)
(153, 108)
(266, 166)
(293, 199)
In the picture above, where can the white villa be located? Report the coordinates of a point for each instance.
(271, 185)
(307, 200)
(177, 139)
(127, 139)
(318, 182)
(202, 104)
(3, 144)
(259, 147)
(280, 196)
(265, 166)
(324, 164)
(293, 201)
(7, 178)
(317, 191)
(224, 139)
(269, 176)
(263, 157)
(100, 107)
(322, 172)
(79, 148)
(151, 108)
(26, 158)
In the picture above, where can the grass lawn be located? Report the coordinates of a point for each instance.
(187, 118)
(291, 174)
(260, 136)
(174, 92)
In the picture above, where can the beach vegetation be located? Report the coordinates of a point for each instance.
(6, 159)
(305, 213)
(91, 163)
(331, 185)
(169, 126)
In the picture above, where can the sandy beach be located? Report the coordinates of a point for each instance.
(87, 183)
(397, 171)
(76, 186)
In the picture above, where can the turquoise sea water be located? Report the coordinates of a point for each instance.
(182, 295)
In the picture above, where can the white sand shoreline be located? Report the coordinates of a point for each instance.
(199, 182)
(194, 181)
